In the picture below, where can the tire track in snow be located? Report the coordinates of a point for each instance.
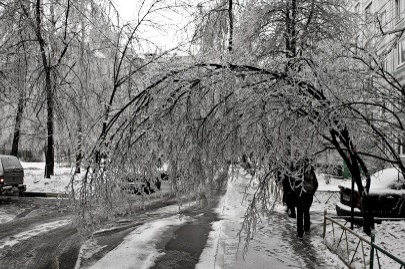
(39, 229)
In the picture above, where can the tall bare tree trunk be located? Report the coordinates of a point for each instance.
(17, 126)
(290, 33)
(83, 87)
(20, 107)
(22, 73)
(79, 144)
(230, 14)
(49, 155)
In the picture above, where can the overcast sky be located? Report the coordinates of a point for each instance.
(167, 38)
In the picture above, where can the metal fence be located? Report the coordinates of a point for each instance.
(327, 197)
(355, 250)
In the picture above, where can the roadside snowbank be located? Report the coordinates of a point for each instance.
(139, 247)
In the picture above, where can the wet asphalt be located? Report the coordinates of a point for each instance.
(186, 243)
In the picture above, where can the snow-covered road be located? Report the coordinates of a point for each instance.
(139, 247)
(274, 242)
(139, 243)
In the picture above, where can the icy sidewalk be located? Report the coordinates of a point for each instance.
(274, 244)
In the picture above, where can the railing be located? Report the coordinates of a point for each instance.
(346, 245)
(376, 248)
(324, 197)
(341, 246)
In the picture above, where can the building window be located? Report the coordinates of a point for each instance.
(384, 65)
(357, 8)
(367, 12)
(401, 147)
(401, 52)
(399, 9)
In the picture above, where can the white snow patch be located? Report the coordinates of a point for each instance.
(58, 183)
(328, 183)
(6, 217)
(11, 241)
(139, 247)
(209, 256)
(87, 250)
(172, 209)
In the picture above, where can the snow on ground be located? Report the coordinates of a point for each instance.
(139, 247)
(35, 181)
(280, 249)
(59, 182)
(11, 241)
(273, 245)
(389, 235)
(328, 183)
(5, 216)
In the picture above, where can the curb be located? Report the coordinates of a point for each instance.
(44, 194)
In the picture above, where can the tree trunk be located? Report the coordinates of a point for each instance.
(290, 31)
(354, 162)
(83, 78)
(20, 111)
(49, 155)
(49, 158)
(230, 14)
(17, 126)
(79, 145)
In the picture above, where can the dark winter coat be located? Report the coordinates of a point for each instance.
(290, 197)
(310, 184)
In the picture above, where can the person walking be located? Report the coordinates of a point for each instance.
(289, 195)
(305, 190)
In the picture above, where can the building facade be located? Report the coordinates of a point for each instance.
(384, 22)
(388, 17)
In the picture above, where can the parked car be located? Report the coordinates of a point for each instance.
(387, 196)
(11, 176)
(139, 184)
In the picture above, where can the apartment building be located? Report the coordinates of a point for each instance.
(388, 16)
